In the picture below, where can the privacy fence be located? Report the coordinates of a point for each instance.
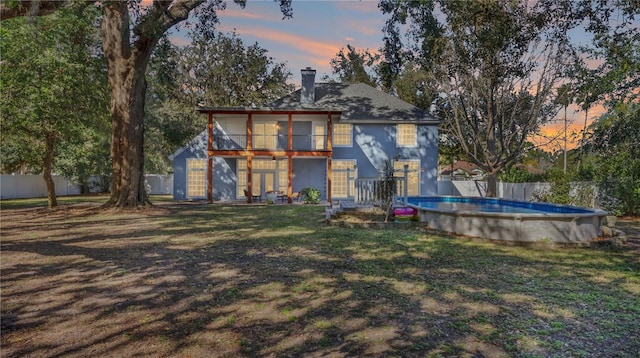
(33, 186)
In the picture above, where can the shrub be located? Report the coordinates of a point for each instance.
(310, 195)
(386, 189)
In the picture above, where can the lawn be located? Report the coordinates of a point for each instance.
(200, 280)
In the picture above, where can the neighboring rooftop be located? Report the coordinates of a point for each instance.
(460, 165)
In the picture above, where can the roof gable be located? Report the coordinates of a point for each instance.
(197, 144)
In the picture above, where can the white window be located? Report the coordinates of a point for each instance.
(413, 176)
(406, 135)
(265, 135)
(343, 171)
(319, 137)
(342, 135)
(283, 175)
(196, 178)
(241, 174)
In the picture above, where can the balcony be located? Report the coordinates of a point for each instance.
(304, 142)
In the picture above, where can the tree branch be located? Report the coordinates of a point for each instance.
(30, 8)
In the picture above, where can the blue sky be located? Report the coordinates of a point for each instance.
(317, 31)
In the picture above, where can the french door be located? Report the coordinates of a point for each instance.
(262, 182)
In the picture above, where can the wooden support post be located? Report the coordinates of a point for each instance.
(290, 178)
(290, 132)
(329, 134)
(330, 149)
(249, 132)
(329, 180)
(249, 158)
(249, 179)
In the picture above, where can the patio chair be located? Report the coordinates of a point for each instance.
(253, 196)
(296, 197)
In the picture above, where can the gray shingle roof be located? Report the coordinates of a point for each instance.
(358, 102)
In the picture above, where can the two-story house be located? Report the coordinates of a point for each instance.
(324, 135)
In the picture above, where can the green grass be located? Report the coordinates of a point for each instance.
(262, 280)
(68, 200)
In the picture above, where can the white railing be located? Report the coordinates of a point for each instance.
(366, 190)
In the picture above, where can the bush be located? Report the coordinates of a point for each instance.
(310, 195)
(560, 186)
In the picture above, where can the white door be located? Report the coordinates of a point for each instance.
(256, 183)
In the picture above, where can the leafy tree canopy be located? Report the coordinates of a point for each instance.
(130, 33)
(54, 92)
(218, 71)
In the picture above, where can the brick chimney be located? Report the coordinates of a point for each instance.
(308, 92)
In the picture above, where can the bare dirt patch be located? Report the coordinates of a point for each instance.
(630, 225)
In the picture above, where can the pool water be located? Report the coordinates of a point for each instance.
(492, 205)
(489, 208)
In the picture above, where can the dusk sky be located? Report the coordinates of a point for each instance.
(319, 29)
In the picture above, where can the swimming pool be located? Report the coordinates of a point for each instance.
(509, 220)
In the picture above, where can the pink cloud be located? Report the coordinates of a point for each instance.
(179, 41)
(237, 12)
(367, 28)
(319, 50)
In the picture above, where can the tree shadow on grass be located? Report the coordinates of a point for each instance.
(261, 281)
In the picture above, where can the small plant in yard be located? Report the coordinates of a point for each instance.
(310, 195)
(386, 189)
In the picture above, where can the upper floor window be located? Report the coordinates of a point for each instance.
(265, 135)
(342, 135)
(406, 135)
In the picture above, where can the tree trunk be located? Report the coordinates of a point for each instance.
(47, 165)
(127, 113)
(492, 185)
(126, 69)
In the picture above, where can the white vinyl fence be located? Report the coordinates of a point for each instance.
(513, 191)
(33, 186)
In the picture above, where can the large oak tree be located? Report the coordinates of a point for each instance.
(495, 65)
(54, 92)
(130, 32)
